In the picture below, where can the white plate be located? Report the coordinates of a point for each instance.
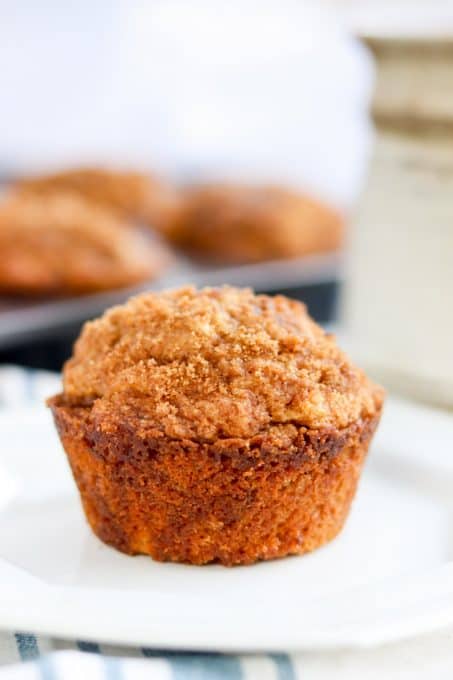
(387, 576)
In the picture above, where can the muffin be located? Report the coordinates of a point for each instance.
(59, 244)
(245, 224)
(133, 195)
(214, 426)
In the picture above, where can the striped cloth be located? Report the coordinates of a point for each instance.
(55, 659)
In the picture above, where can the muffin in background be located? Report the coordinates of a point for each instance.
(59, 244)
(214, 425)
(234, 224)
(133, 195)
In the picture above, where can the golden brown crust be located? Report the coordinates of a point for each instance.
(233, 501)
(240, 224)
(214, 426)
(215, 363)
(59, 244)
(132, 195)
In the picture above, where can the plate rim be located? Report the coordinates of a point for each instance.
(36, 605)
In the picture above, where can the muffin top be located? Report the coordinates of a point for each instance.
(135, 195)
(60, 243)
(214, 363)
(236, 223)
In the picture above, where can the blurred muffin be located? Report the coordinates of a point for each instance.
(137, 196)
(59, 244)
(241, 224)
(214, 425)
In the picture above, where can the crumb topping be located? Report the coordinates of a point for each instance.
(130, 194)
(246, 223)
(215, 363)
(58, 241)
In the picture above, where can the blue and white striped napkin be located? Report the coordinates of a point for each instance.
(55, 659)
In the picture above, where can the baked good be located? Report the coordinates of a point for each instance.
(133, 195)
(58, 244)
(241, 224)
(214, 426)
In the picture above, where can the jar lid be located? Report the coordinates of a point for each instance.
(413, 89)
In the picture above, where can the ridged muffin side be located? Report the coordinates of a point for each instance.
(233, 501)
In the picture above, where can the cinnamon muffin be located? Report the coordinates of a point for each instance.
(244, 224)
(214, 426)
(133, 195)
(60, 244)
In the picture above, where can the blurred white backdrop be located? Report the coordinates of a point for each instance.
(269, 90)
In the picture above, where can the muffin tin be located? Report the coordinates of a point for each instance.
(24, 320)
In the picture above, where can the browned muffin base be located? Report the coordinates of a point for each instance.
(233, 502)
